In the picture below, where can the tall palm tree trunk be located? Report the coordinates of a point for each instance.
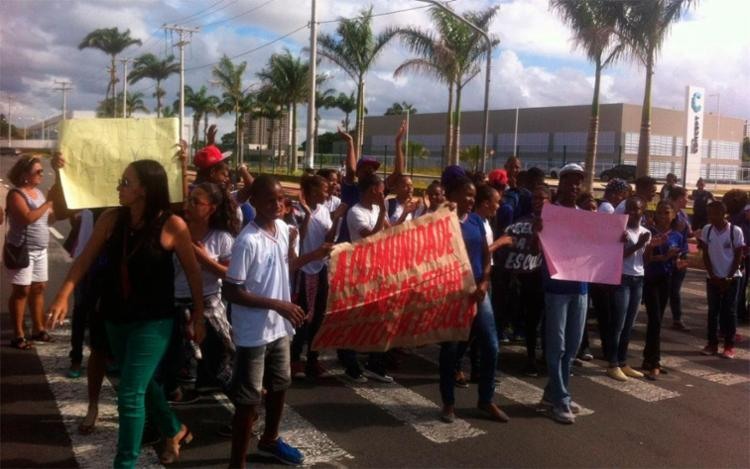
(270, 139)
(158, 98)
(457, 125)
(360, 115)
(112, 82)
(644, 142)
(593, 136)
(196, 129)
(448, 149)
(293, 153)
(346, 121)
(236, 155)
(205, 128)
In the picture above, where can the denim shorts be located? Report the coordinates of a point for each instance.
(258, 367)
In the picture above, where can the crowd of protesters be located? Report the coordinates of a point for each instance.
(229, 289)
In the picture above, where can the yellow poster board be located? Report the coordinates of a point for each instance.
(97, 151)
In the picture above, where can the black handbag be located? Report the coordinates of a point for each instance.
(16, 257)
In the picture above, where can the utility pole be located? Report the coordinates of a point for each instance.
(310, 147)
(125, 62)
(64, 86)
(406, 150)
(185, 33)
(10, 103)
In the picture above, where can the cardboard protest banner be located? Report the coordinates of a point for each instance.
(407, 286)
(97, 151)
(582, 246)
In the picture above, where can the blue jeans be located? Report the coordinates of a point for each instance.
(483, 330)
(722, 310)
(627, 299)
(565, 317)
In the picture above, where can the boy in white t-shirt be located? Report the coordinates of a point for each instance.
(722, 245)
(263, 318)
(402, 208)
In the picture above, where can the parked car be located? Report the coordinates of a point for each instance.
(8, 151)
(621, 171)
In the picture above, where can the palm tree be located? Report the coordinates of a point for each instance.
(355, 49)
(149, 66)
(201, 103)
(288, 75)
(110, 41)
(229, 77)
(323, 99)
(454, 56)
(107, 107)
(594, 24)
(401, 108)
(436, 60)
(347, 104)
(644, 26)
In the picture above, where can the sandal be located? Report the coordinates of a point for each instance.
(21, 343)
(172, 454)
(42, 336)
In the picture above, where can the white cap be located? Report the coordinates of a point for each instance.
(571, 168)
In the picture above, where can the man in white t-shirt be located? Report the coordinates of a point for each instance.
(615, 192)
(263, 318)
(722, 245)
(366, 218)
(645, 188)
(401, 208)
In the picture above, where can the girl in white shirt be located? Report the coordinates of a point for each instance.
(318, 228)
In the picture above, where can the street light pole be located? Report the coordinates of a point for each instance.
(125, 86)
(487, 39)
(310, 147)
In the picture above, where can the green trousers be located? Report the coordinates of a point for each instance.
(138, 348)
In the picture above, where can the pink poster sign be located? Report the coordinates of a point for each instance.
(582, 246)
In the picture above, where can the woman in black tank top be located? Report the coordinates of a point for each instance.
(137, 300)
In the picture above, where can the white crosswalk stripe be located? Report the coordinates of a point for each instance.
(411, 408)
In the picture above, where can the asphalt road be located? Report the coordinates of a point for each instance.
(696, 416)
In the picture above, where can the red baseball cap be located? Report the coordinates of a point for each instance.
(498, 177)
(208, 156)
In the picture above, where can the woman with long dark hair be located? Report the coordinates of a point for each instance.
(138, 300)
(29, 215)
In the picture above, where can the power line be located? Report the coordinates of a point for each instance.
(250, 51)
(238, 15)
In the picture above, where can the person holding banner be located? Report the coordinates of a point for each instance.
(565, 305)
(461, 191)
(318, 228)
(139, 239)
(263, 318)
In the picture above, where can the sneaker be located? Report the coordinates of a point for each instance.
(282, 452)
(504, 338)
(563, 414)
(728, 352)
(585, 355)
(448, 414)
(298, 370)
(544, 404)
(615, 372)
(75, 370)
(461, 380)
(183, 397)
(630, 372)
(494, 412)
(378, 375)
(574, 407)
(710, 350)
(315, 370)
(680, 326)
(531, 370)
(355, 377)
(652, 374)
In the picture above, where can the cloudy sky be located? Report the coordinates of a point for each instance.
(535, 64)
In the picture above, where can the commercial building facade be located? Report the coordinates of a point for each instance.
(548, 137)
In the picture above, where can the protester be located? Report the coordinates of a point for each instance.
(317, 229)
(401, 208)
(723, 245)
(565, 315)
(516, 195)
(139, 238)
(666, 188)
(29, 215)
(627, 297)
(435, 197)
(701, 198)
(461, 191)
(615, 192)
(743, 311)
(645, 188)
(332, 176)
(660, 265)
(681, 224)
(263, 318)
(736, 200)
(585, 201)
(524, 260)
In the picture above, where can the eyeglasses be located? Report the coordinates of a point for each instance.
(124, 182)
